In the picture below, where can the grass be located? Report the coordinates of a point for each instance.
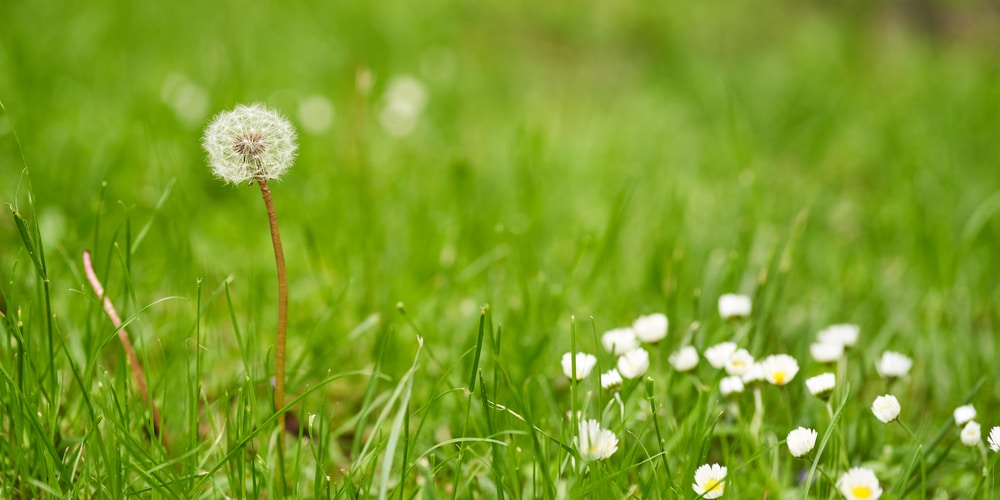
(574, 166)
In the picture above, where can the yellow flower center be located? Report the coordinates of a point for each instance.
(738, 364)
(861, 492)
(779, 378)
(712, 484)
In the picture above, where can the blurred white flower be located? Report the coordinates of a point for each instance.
(188, 100)
(845, 334)
(634, 363)
(779, 369)
(611, 380)
(684, 359)
(316, 114)
(710, 481)
(584, 364)
(753, 374)
(886, 408)
(718, 354)
(594, 442)
(619, 341)
(249, 142)
(893, 364)
(403, 102)
(964, 413)
(826, 352)
(859, 483)
(994, 439)
(821, 385)
(801, 441)
(734, 306)
(971, 434)
(730, 385)
(651, 328)
(739, 362)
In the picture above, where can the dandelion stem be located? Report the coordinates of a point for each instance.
(279, 348)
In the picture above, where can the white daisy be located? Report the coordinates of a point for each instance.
(730, 385)
(734, 306)
(964, 413)
(893, 364)
(826, 352)
(611, 380)
(859, 483)
(886, 408)
(634, 363)
(739, 362)
(684, 359)
(584, 364)
(821, 385)
(845, 334)
(619, 341)
(710, 481)
(753, 374)
(651, 328)
(779, 369)
(801, 441)
(594, 442)
(718, 354)
(994, 439)
(971, 434)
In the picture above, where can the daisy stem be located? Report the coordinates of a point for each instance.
(279, 349)
(908, 431)
(758, 413)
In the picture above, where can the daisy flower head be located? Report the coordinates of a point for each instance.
(826, 352)
(718, 354)
(821, 385)
(619, 340)
(994, 439)
(753, 374)
(893, 364)
(684, 359)
(731, 385)
(733, 306)
(710, 481)
(249, 142)
(651, 328)
(584, 364)
(964, 413)
(971, 434)
(611, 380)
(886, 408)
(801, 441)
(594, 442)
(844, 334)
(634, 363)
(779, 369)
(739, 362)
(859, 483)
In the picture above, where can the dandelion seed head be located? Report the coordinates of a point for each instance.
(249, 142)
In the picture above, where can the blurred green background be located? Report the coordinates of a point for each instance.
(551, 159)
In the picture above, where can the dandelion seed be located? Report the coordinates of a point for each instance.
(249, 142)
(594, 442)
(845, 334)
(994, 439)
(886, 408)
(964, 413)
(971, 434)
(779, 369)
(893, 364)
(651, 328)
(730, 385)
(584, 364)
(821, 385)
(859, 483)
(619, 340)
(634, 363)
(826, 352)
(611, 380)
(684, 359)
(710, 481)
(732, 306)
(739, 362)
(718, 354)
(801, 441)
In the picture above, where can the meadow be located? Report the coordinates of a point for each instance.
(479, 189)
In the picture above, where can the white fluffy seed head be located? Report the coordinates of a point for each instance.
(249, 142)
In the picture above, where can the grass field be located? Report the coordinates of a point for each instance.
(479, 189)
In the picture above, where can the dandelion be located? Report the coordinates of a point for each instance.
(710, 481)
(730, 385)
(859, 483)
(619, 341)
(994, 439)
(684, 359)
(254, 143)
(971, 434)
(739, 362)
(594, 442)
(732, 306)
(634, 363)
(651, 328)
(886, 408)
(801, 441)
(844, 334)
(964, 413)
(611, 380)
(821, 385)
(584, 364)
(826, 352)
(893, 364)
(718, 354)
(779, 369)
